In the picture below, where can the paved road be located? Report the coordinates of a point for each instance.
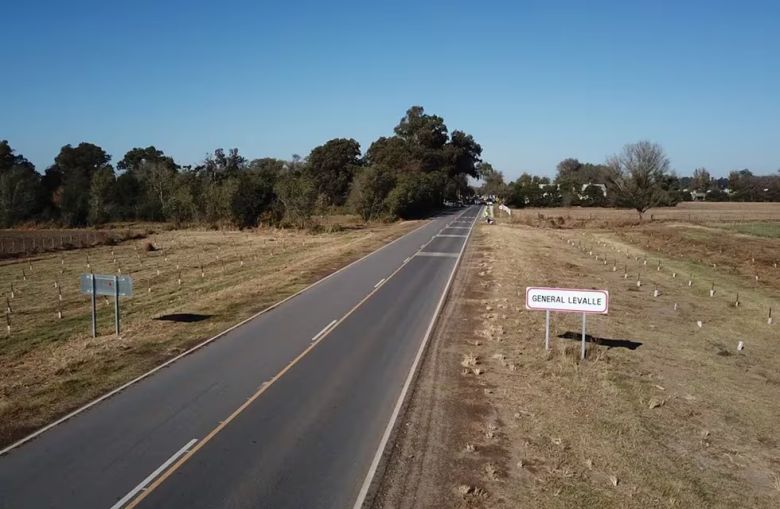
(277, 413)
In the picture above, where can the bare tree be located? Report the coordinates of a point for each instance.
(640, 174)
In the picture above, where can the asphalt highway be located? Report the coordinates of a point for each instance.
(291, 409)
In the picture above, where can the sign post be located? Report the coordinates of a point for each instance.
(547, 330)
(567, 300)
(94, 312)
(116, 304)
(582, 350)
(100, 284)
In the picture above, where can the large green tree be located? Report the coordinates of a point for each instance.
(20, 187)
(298, 195)
(573, 177)
(136, 158)
(75, 167)
(369, 192)
(422, 145)
(102, 196)
(331, 168)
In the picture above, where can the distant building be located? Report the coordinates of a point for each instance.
(698, 196)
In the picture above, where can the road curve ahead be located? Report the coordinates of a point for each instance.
(290, 409)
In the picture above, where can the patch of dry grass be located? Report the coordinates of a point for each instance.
(689, 212)
(51, 364)
(684, 420)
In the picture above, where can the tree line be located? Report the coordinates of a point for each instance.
(638, 177)
(406, 175)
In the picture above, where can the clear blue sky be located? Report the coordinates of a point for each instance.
(534, 82)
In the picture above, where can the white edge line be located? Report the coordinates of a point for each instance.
(391, 424)
(380, 282)
(325, 329)
(407, 260)
(200, 345)
(153, 475)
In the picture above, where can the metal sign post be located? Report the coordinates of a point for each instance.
(547, 331)
(116, 286)
(116, 304)
(94, 311)
(582, 350)
(567, 300)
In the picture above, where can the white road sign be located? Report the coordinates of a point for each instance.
(567, 300)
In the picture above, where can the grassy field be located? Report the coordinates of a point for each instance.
(188, 285)
(771, 230)
(665, 411)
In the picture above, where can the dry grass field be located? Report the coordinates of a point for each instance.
(188, 285)
(689, 212)
(664, 412)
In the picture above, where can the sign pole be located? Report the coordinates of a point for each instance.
(94, 314)
(582, 352)
(116, 304)
(547, 331)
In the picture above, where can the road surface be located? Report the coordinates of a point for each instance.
(288, 410)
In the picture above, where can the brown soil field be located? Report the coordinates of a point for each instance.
(689, 212)
(50, 362)
(30, 241)
(664, 412)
